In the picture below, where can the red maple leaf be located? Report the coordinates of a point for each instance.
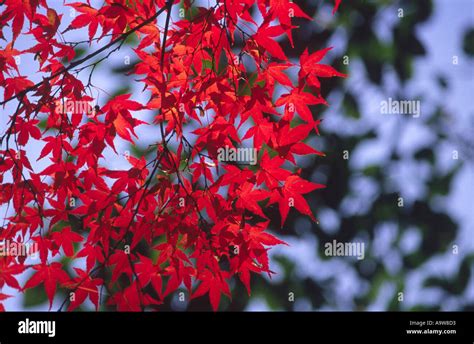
(50, 275)
(311, 70)
(83, 286)
(290, 195)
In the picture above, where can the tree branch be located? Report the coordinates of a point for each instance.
(86, 58)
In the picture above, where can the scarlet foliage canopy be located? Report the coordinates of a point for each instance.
(178, 216)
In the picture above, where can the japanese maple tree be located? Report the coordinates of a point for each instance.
(177, 216)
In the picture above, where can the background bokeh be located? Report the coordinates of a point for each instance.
(409, 249)
(423, 249)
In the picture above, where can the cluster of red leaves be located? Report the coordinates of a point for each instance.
(184, 218)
